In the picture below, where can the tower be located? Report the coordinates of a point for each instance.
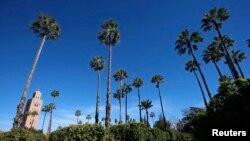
(34, 104)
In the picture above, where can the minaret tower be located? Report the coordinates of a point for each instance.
(34, 104)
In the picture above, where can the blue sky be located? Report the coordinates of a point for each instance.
(148, 32)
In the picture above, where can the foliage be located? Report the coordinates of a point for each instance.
(137, 132)
(85, 132)
(161, 125)
(229, 108)
(22, 134)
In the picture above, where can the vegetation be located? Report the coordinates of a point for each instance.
(229, 107)
(97, 64)
(78, 113)
(157, 80)
(138, 82)
(109, 35)
(22, 134)
(47, 28)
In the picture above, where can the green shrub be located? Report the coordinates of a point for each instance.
(22, 134)
(85, 132)
(137, 132)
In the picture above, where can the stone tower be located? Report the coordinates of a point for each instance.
(33, 104)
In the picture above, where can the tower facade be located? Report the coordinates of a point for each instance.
(31, 117)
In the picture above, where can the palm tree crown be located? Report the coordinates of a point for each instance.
(55, 93)
(78, 113)
(97, 63)
(46, 26)
(214, 18)
(238, 56)
(184, 40)
(109, 34)
(157, 79)
(212, 54)
(126, 88)
(137, 82)
(120, 75)
(146, 104)
(191, 66)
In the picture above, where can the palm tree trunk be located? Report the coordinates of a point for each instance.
(238, 65)
(18, 117)
(139, 104)
(202, 92)
(120, 100)
(217, 68)
(147, 116)
(153, 121)
(50, 124)
(108, 106)
(44, 120)
(126, 105)
(97, 99)
(227, 55)
(201, 73)
(77, 120)
(158, 87)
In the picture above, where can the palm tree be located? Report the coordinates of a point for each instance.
(184, 43)
(126, 89)
(109, 35)
(97, 64)
(88, 117)
(137, 82)
(54, 94)
(157, 80)
(118, 95)
(47, 28)
(237, 57)
(45, 110)
(78, 113)
(192, 67)
(152, 115)
(51, 108)
(33, 114)
(146, 104)
(214, 55)
(214, 19)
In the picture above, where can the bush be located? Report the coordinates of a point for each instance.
(85, 132)
(138, 132)
(22, 134)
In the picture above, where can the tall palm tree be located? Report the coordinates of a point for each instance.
(192, 67)
(157, 80)
(119, 95)
(97, 64)
(110, 36)
(184, 43)
(237, 57)
(146, 104)
(126, 89)
(138, 82)
(214, 19)
(88, 117)
(78, 113)
(54, 94)
(33, 114)
(51, 108)
(152, 115)
(213, 54)
(47, 28)
(45, 110)
(120, 75)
